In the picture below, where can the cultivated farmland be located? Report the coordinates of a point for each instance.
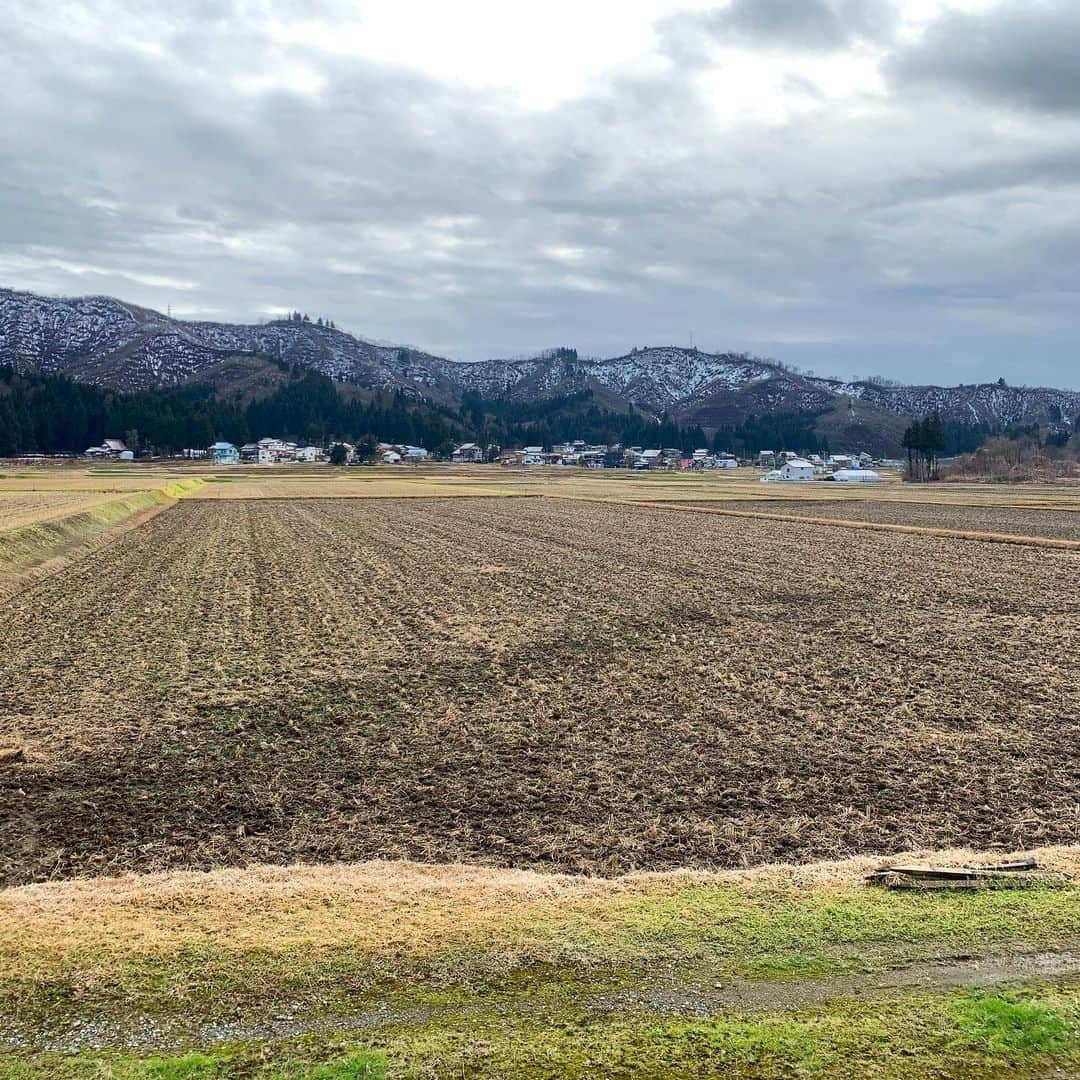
(1056, 524)
(536, 682)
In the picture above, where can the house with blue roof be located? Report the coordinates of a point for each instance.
(223, 453)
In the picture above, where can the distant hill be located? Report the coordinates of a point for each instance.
(106, 342)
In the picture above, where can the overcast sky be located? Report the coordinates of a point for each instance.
(853, 186)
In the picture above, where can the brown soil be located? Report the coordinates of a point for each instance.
(1013, 521)
(541, 683)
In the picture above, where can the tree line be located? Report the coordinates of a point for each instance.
(53, 414)
(924, 442)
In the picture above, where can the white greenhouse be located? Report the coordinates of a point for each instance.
(856, 476)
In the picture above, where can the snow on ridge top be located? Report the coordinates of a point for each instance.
(660, 375)
(676, 373)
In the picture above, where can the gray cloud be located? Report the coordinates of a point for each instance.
(1021, 53)
(854, 235)
(801, 25)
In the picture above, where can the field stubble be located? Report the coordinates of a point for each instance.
(1043, 522)
(565, 685)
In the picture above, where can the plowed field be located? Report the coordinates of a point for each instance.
(532, 682)
(1016, 521)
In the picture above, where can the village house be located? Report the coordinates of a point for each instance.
(275, 451)
(467, 453)
(797, 469)
(223, 453)
(110, 448)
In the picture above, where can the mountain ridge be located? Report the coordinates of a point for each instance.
(108, 342)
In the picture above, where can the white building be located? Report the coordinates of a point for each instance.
(110, 448)
(468, 452)
(856, 476)
(273, 451)
(797, 469)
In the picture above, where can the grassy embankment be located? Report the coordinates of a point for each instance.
(34, 543)
(350, 971)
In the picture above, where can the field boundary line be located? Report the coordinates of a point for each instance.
(375, 498)
(1016, 540)
(889, 502)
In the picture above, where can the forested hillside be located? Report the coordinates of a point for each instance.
(54, 414)
(735, 400)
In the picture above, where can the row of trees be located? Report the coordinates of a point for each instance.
(924, 442)
(771, 431)
(53, 414)
(297, 317)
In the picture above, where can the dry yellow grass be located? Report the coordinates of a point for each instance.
(18, 508)
(83, 478)
(335, 486)
(49, 529)
(379, 907)
(444, 480)
(320, 481)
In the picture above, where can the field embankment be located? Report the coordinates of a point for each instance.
(451, 970)
(47, 527)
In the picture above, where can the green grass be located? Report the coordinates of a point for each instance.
(702, 931)
(252, 1061)
(1001, 1026)
(1016, 1033)
(572, 986)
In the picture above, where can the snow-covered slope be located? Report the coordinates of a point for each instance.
(101, 340)
(989, 403)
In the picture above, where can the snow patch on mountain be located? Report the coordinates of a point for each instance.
(100, 340)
